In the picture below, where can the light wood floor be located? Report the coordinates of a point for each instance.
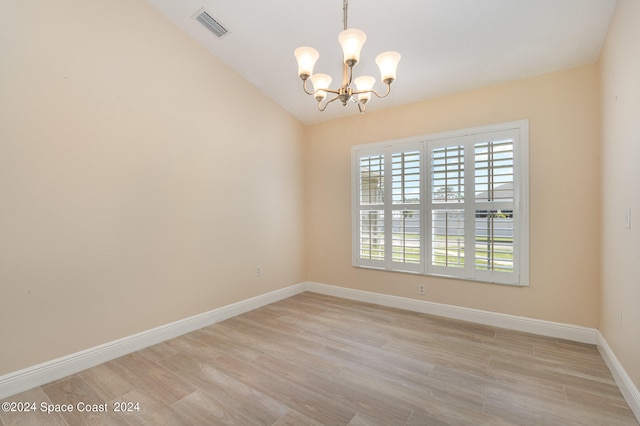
(314, 359)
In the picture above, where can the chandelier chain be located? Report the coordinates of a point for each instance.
(345, 7)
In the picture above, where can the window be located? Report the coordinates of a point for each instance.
(452, 204)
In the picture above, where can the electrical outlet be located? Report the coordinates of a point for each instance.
(421, 289)
(258, 271)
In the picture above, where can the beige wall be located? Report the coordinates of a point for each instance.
(141, 181)
(620, 70)
(563, 109)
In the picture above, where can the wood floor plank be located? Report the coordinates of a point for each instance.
(166, 385)
(293, 418)
(446, 414)
(221, 338)
(151, 410)
(107, 380)
(531, 410)
(247, 401)
(314, 359)
(381, 363)
(610, 404)
(201, 409)
(353, 394)
(306, 401)
(80, 398)
(159, 351)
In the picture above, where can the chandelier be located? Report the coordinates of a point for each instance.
(351, 41)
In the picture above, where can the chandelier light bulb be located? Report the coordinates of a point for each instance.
(321, 82)
(364, 83)
(307, 57)
(388, 63)
(351, 41)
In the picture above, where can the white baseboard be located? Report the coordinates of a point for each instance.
(511, 322)
(529, 325)
(37, 375)
(19, 381)
(627, 387)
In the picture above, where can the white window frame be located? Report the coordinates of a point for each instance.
(423, 144)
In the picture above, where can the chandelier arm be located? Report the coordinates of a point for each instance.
(347, 75)
(321, 109)
(378, 95)
(304, 86)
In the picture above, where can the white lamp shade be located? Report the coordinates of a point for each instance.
(364, 82)
(307, 57)
(351, 41)
(321, 82)
(388, 63)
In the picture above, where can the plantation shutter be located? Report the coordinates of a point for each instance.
(447, 195)
(371, 232)
(495, 213)
(406, 214)
(388, 224)
(454, 204)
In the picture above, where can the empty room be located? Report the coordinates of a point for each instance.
(319, 212)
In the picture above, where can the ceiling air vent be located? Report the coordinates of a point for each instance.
(210, 23)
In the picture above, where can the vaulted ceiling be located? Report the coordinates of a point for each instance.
(447, 46)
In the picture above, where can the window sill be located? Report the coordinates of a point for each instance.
(448, 277)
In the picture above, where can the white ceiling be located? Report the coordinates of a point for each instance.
(447, 46)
